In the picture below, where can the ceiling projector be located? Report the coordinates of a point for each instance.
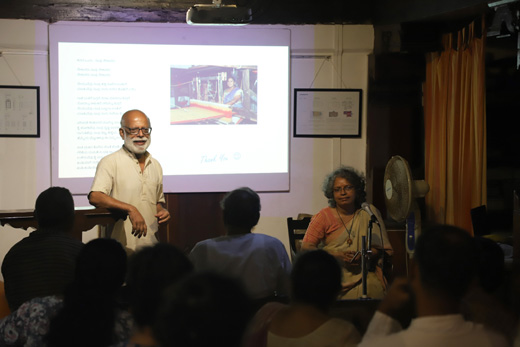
(216, 14)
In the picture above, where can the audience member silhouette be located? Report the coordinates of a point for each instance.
(316, 282)
(150, 271)
(205, 309)
(484, 302)
(259, 261)
(445, 264)
(85, 317)
(43, 263)
(90, 315)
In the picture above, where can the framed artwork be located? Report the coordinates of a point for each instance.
(327, 112)
(19, 111)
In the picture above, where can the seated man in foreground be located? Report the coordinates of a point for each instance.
(43, 263)
(445, 259)
(260, 261)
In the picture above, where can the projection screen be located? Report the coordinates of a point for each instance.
(179, 76)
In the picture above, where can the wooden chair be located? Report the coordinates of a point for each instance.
(479, 221)
(296, 229)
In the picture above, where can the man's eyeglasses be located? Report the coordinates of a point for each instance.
(343, 189)
(135, 131)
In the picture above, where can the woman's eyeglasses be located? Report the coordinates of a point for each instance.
(343, 189)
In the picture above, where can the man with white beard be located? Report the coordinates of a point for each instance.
(130, 180)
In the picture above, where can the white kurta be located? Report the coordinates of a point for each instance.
(119, 175)
(446, 331)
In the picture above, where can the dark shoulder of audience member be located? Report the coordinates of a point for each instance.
(488, 300)
(89, 306)
(240, 210)
(316, 279)
(490, 265)
(150, 271)
(202, 310)
(54, 210)
(446, 257)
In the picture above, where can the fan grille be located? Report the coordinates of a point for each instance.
(398, 188)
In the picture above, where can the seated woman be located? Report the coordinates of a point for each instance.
(88, 313)
(232, 93)
(316, 282)
(339, 229)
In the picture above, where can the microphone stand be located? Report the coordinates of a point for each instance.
(366, 251)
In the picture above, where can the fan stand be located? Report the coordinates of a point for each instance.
(413, 228)
(366, 251)
(401, 191)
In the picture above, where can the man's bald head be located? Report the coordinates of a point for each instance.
(131, 115)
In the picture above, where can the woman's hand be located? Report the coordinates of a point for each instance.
(352, 257)
(348, 259)
(307, 246)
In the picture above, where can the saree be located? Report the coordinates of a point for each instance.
(354, 230)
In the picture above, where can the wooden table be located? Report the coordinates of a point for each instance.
(85, 219)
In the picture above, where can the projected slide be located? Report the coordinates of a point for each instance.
(219, 112)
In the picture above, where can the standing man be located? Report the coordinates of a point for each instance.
(130, 180)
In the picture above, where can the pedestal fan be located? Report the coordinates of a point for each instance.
(401, 192)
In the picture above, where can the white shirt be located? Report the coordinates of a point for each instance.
(259, 260)
(119, 175)
(432, 331)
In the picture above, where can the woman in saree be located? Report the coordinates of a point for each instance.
(339, 229)
(232, 93)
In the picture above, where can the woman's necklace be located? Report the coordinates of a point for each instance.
(349, 231)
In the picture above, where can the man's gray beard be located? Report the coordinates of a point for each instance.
(129, 144)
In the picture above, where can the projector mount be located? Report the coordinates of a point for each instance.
(218, 14)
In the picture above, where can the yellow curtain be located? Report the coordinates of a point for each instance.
(455, 128)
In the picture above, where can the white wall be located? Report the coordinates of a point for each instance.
(25, 164)
(311, 159)
(323, 56)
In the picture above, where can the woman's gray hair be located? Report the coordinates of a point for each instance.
(350, 174)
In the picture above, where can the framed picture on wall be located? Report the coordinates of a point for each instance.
(19, 111)
(327, 112)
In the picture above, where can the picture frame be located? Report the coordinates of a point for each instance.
(327, 112)
(19, 111)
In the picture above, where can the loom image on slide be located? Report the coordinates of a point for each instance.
(206, 94)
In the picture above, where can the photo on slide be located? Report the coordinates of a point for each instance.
(209, 94)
